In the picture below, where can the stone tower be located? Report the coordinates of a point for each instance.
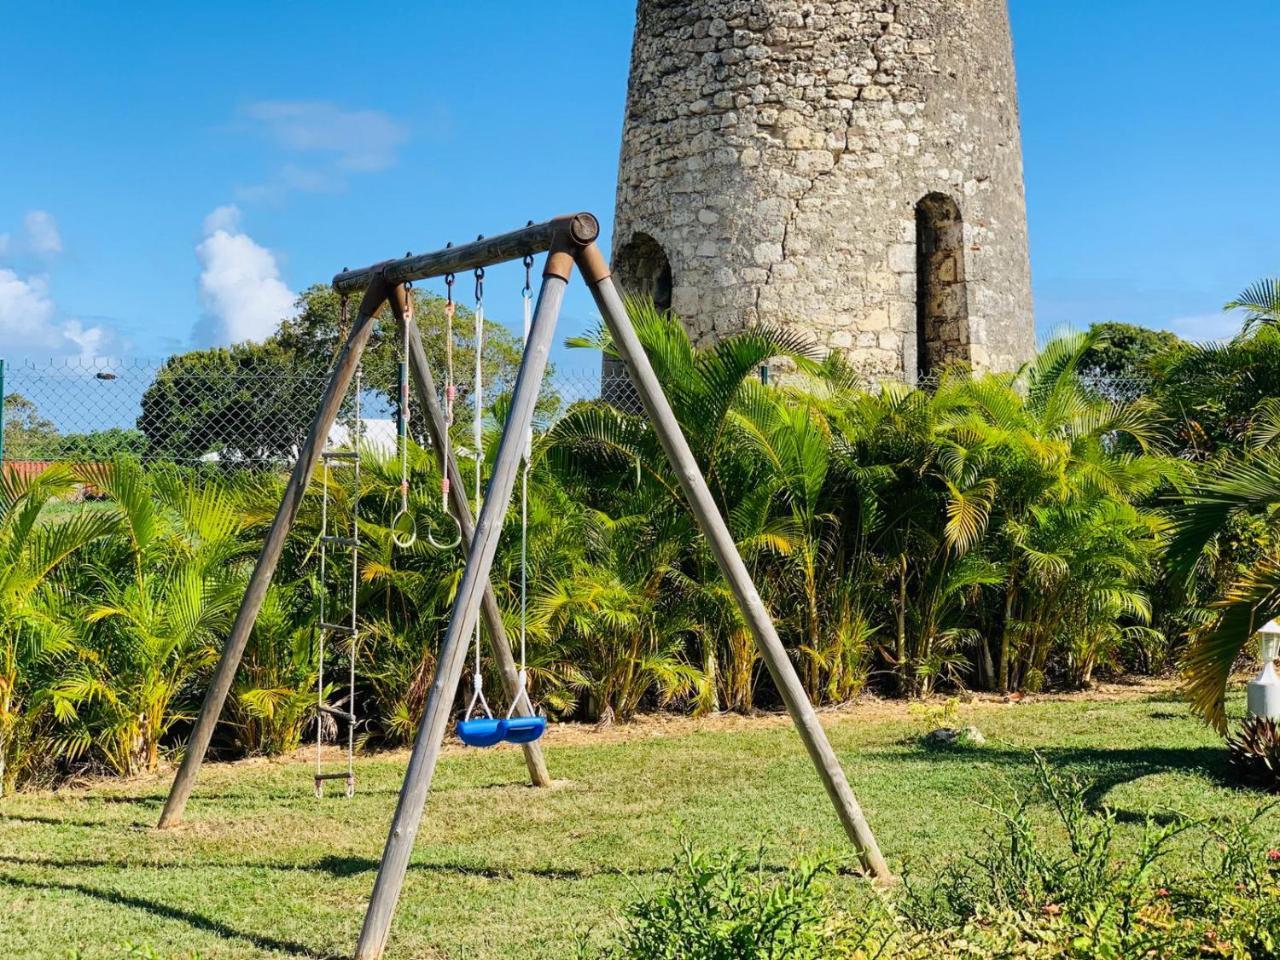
(851, 169)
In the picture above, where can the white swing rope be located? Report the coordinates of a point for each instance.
(357, 436)
(324, 532)
(522, 678)
(477, 435)
(327, 479)
(408, 536)
(450, 394)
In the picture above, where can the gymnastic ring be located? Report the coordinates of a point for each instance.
(404, 531)
(457, 538)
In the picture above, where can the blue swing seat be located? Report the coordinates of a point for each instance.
(525, 729)
(482, 732)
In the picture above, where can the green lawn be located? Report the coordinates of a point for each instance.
(59, 510)
(262, 869)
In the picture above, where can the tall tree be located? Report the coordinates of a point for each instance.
(27, 434)
(316, 333)
(1121, 361)
(247, 402)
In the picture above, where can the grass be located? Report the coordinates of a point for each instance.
(262, 869)
(58, 510)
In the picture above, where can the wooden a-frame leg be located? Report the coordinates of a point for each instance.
(424, 384)
(716, 531)
(308, 456)
(466, 610)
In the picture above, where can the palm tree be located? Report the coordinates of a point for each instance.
(613, 461)
(1215, 392)
(1261, 304)
(35, 639)
(619, 639)
(1059, 460)
(786, 516)
(160, 598)
(1242, 487)
(885, 447)
(792, 443)
(274, 695)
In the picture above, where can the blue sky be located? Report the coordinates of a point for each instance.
(172, 175)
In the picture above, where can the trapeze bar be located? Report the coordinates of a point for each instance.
(579, 229)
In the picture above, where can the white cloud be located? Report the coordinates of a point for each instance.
(292, 178)
(24, 303)
(29, 322)
(40, 236)
(357, 140)
(225, 218)
(240, 286)
(91, 341)
(1205, 326)
(326, 144)
(42, 233)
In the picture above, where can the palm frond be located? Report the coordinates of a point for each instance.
(1261, 303)
(1206, 665)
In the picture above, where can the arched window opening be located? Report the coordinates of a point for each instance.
(643, 270)
(942, 301)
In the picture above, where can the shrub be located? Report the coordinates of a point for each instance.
(1254, 754)
(1099, 900)
(730, 909)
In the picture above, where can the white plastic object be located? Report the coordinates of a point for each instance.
(1264, 689)
(1269, 637)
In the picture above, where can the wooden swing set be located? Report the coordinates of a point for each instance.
(566, 241)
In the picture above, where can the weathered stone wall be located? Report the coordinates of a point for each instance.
(778, 150)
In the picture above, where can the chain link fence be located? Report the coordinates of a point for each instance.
(77, 410)
(229, 414)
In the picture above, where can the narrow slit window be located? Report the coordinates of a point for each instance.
(942, 301)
